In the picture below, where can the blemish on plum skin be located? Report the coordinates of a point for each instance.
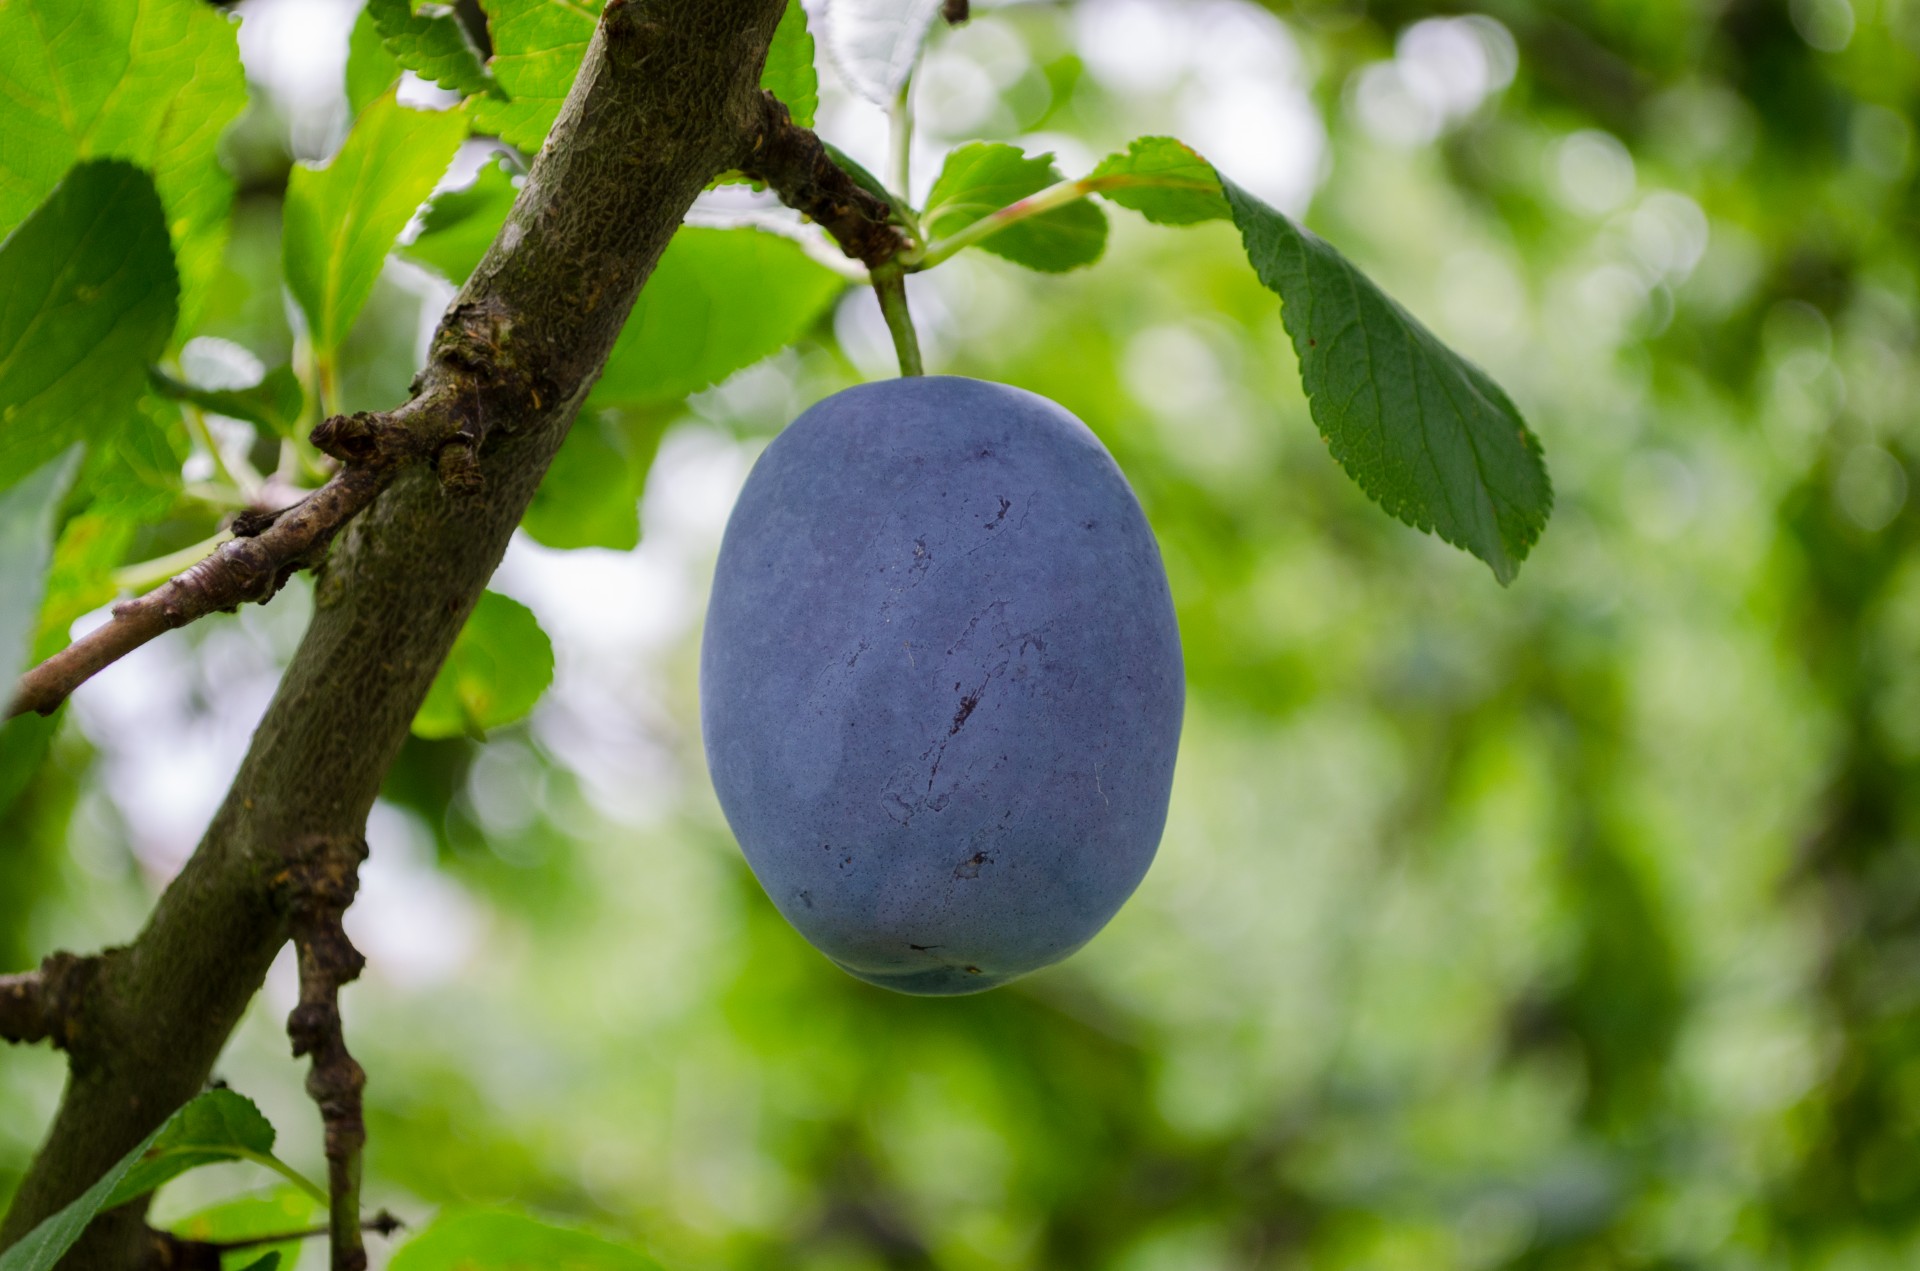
(923, 948)
(970, 868)
(967, 704)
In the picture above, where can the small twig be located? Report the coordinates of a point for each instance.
(793, 162)
(253, 567)
(381, 1224)
(178, 1253)
(44, 1005)
(890, 285)
(319, 886)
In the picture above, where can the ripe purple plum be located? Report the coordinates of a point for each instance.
(941, 683)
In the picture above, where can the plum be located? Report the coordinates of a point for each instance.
(941, 682)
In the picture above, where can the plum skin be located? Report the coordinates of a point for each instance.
(941, 683)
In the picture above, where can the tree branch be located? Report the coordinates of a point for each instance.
(267, 548)
(793, 162)
(43, 1005)
(665, 92)
(322, 881)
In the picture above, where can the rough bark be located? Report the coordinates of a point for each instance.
(665, 95)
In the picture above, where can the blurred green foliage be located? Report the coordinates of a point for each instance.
(1571, 925)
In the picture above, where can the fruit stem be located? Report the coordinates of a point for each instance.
(890, 285)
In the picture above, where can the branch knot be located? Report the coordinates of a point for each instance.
(253, 522)
(365, 439)
(48, 1004)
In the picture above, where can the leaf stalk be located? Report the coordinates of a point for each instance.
(239, 473)
(1054, 196)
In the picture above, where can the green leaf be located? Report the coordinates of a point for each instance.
(720, 300)
(90, 546)
(1164, 181)
(498, 669)
(248, 1218)
(27, 523)
(341, 220)
(269, 1261)
(89, 292)
(219, 1125)
(537, 47)
(24, 743)
(125, 482)
(154, 82)
(29, 512)
(985, 176)
(135, 474)
(433, 46)
(789, 73)
(1425, 432)
(43, 1247)
(459, 225)
(274, 403)
(371, 70)
(482, 1241)
(590, 497)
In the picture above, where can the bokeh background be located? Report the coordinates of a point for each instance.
(1575, 925)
